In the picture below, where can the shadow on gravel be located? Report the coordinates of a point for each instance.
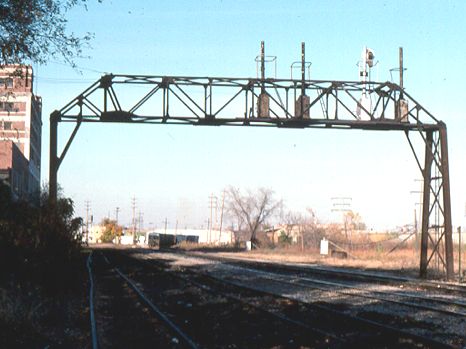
(208, 313)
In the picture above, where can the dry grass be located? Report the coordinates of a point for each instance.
(367, 252)
(404, 260)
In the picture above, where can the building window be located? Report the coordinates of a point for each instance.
(7, 125)
(6, 82)
(7, 106)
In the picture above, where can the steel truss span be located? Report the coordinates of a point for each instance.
(282, 103)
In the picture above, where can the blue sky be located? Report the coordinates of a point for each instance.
(171, 170)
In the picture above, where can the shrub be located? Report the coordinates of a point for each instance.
(39, 243)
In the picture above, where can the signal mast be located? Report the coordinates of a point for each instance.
(364, 107)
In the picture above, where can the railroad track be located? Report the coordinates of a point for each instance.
(448, 307)
(407, 338)
(328, 337)
(446, 295)
(281, 332)
(435, 309)
(131, 319)
(455, 289)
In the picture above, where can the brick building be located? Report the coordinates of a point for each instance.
(20, 131)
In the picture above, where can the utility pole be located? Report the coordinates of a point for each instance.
(211, 206)
(221, 217)
(418, 218)
(87, 220)
(302, 239)
(459, 252)
(416, 230)
(401, 71)
(342, 204)
(117, 209)
(166, 223)
(140, 220)
(133, 206)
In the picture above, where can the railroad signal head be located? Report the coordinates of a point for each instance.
(370, 57)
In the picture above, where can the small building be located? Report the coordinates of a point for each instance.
(291, 231)
(95, 234)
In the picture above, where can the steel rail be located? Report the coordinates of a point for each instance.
(238, 299)
(426, 340)
(154, 308)
(407, 295)
(372, 276)
(364, 275)
(162, 316)
(328, 283)
(95, 344)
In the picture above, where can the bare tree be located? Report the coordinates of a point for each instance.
(252, 209)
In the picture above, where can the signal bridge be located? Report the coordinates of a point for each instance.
(282, 103)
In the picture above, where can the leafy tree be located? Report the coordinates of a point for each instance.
(35, 30)
(111, 231)
(252, 209)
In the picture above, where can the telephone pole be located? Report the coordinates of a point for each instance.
(140, 220)
(221, 216)
(342, 204)
(87, 220)
(133, 206)
(117, 209)
(418, 215)
(211, 206)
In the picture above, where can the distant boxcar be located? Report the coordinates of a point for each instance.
(153, 240)
(167, 240)
(192, 238)
(181, 238)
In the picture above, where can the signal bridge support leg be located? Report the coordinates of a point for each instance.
(53, 160)
(438, 157)
(446, 202)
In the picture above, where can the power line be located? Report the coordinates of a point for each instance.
(77, 67)
(50, 80)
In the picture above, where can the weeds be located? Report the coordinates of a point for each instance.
(20, 308)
